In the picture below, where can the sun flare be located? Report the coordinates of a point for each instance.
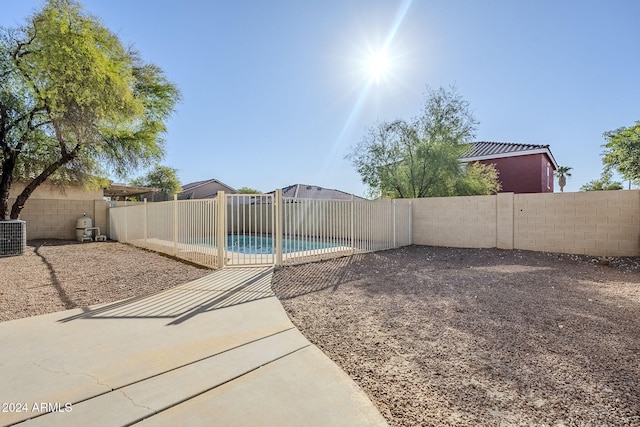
(378, 66)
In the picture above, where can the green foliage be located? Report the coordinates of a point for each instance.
(163, 178)
(562, 173)
(420, 158)
(479, 179)
(622, 151)
(75, 103)
(247, 190)
(563, 170)
(602, 184)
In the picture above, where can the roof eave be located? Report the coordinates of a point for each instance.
(205, 182)
(545, 151)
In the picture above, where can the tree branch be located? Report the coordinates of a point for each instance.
(38, 180)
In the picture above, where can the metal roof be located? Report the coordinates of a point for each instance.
(488, 150)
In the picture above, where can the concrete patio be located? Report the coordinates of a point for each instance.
(216, 351)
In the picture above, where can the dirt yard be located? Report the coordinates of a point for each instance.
(466, 337)
(57, 275)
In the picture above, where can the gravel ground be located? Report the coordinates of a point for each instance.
(466, 337)
(57, 275)
(435, 336)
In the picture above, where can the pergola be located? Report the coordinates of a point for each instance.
(116, 191)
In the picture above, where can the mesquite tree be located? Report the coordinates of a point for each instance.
(163, 178)
(419, 157)
(75, 103)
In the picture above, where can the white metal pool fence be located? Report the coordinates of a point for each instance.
(258, 229)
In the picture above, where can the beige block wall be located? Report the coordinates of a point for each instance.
(602, 223)
(50, 192)
(51, 211)
(599, 223)
(455, 221)
(56, 218)
(504, 221)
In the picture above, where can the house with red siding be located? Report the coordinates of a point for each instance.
(522, 168)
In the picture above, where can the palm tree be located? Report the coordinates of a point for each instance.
(562, 173)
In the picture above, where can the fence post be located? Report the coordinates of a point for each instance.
(221, 232)
(279, 214)
(393, 206)
(126, 223)
(145, 220)
(410, 222)
(353, 248)
(175, 225)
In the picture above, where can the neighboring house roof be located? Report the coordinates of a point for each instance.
(206, 189)
(303, 191)
(486, 150)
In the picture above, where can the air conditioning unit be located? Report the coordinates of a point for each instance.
(13, 237)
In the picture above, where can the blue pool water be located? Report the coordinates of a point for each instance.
(250, 244)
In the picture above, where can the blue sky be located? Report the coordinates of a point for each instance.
(276, 92)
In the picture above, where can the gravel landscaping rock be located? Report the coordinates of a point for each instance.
(56, 275)
(466, 337)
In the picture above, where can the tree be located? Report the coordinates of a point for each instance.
(562, 173)
(163, 178)
(420, 157)
(622, 151)
(604, 183)
(75, 104)
(247, 190)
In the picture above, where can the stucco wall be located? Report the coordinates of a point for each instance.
(602, 223)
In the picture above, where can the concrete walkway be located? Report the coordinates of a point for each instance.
(218, 351)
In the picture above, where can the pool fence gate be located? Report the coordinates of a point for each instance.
(262, 229)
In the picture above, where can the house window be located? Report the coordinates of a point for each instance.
(549, 176)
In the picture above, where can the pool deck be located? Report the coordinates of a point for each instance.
(218, 351)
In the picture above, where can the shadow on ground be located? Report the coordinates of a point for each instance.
(315, 277)
(444, 336)
(66, 300)
(221, 289)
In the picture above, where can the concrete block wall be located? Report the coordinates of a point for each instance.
(599, 223)
(49, 192)
(56, 218)
(504, 221)
(602, 223)
(468, 222)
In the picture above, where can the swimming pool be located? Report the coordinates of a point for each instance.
(250, 244)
